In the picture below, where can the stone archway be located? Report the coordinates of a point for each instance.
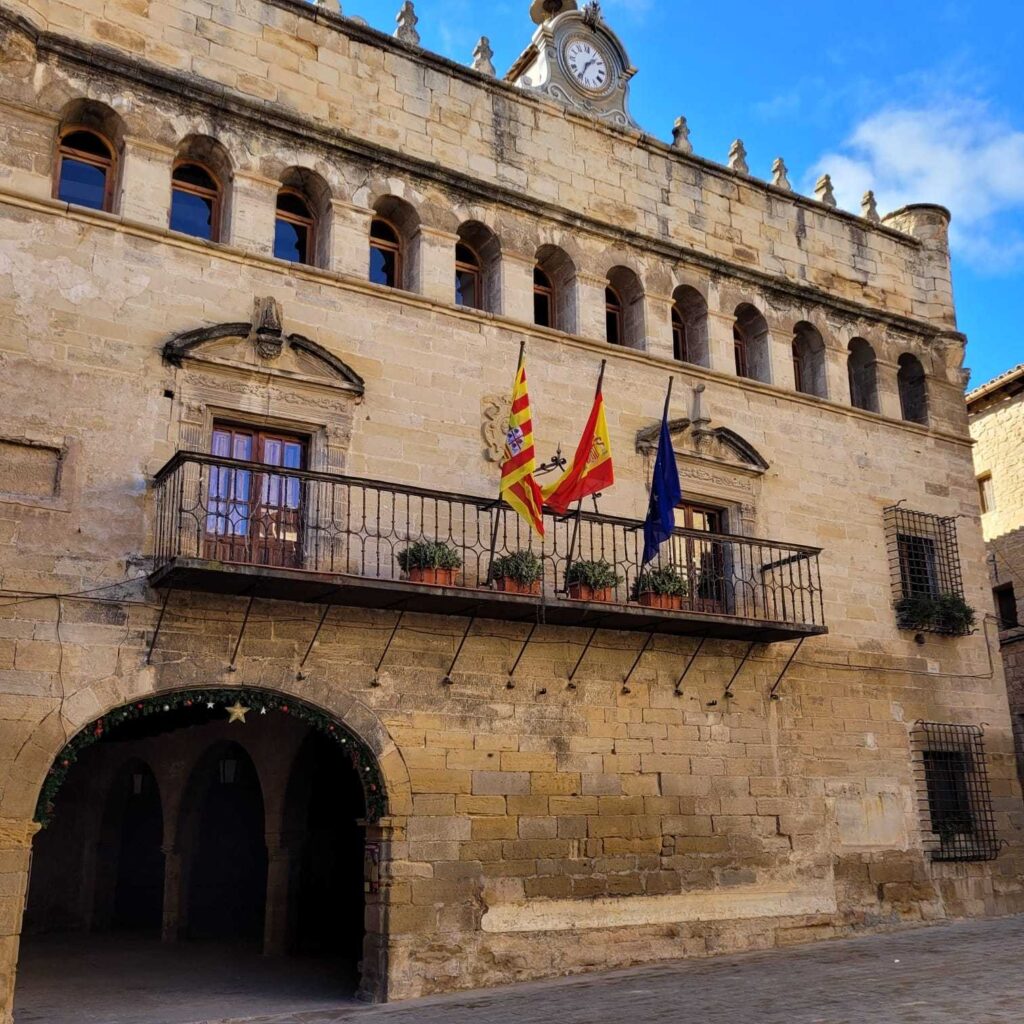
(366, 758)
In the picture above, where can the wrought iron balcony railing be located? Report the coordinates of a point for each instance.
(249, 528)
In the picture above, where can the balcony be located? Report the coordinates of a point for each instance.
(244, 528)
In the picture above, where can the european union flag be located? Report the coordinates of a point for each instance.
(665, 495)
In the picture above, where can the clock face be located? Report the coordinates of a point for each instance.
(587, 65)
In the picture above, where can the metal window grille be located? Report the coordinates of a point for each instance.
(953, 796)
(924, 559)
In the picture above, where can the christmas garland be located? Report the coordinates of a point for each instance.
(238, 703)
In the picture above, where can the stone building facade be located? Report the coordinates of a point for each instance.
(546, 784)
(996, 415)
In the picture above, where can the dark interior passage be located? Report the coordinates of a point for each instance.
(182, 829)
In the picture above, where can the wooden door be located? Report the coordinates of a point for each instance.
(703, 561)
(255, 516)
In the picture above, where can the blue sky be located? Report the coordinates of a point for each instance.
(920, 101)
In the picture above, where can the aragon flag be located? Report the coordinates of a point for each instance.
(519, 489)
(591, 469)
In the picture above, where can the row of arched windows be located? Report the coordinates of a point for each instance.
(85, 174)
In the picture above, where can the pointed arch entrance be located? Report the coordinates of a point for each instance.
(230, 819)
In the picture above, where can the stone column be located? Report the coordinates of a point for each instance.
(276, 918)
(888, 389)
(350, 239)
(253, 206)
(145, 182)
(721, 352)
(590, 313)
(436, 259)
(780, 347)
(658, 323)
(15, 859)
(172, 924)
(517, 286)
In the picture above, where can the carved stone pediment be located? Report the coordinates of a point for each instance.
(717, 447)
(261, 347)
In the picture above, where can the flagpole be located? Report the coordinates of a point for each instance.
(664, 421)
(497, 507)
(579, 504)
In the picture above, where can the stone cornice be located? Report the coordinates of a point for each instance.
(262, 115)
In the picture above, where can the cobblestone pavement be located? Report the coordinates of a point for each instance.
(963, 973)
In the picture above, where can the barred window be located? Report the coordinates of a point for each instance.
(954, 798)
(924, 565)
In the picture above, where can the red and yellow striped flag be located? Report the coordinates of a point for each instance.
(519, 489)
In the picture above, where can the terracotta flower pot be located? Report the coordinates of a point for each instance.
(511, 586)
(585, 592)
(436, 577)
(669, 602)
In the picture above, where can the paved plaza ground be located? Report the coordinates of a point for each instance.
(963, 973)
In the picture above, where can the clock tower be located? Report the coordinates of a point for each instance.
(575, 58)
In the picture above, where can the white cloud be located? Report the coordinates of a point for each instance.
(955, 153)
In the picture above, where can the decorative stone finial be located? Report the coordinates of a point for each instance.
(592, 14)
(407, 22)
(869, 208)
(779, 174)
(681, 136)
(738, 157)
(699, 418)
(823, 190)
(482, 57)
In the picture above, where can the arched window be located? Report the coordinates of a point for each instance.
(809, 360)
(862, 372)
(394, 244)
(478, 268)
(195, 202)
(85, 169)
(690, 327)
(913, 390)
(750, 344)
(293, 228)
(624, 292)
(385, 254)
(612, 316)
(468, 291)
(555, 290)
(543, 299)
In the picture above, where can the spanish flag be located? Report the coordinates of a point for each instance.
(519, 489)
(591, 468)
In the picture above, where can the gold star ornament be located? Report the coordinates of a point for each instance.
(237, 712)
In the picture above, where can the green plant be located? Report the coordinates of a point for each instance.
(522, 566)
(945, 613)
(599, 575)
(424, 554)
(953, 614)
(663, 580)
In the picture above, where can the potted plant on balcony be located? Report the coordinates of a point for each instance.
(591, 581)
(663, 587)
(943, 613)
(517, 573)
(427, 561)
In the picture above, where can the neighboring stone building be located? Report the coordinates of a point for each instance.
(996, 414)
(217, 438)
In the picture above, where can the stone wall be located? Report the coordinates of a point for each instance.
(656, 824)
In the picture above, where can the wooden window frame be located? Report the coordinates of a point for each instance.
(613, 309)
(740, 352)
(293, 218)
(392, 247)
(548, 292)
(680, 348)
(986, 493)
(798, 373)
(215, 194)
(462, 267)
(108, 165)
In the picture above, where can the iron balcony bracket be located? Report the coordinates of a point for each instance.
(159, 623)
(241, 633)
(387, 647)
(689, 665)
(300, 675)
(636, 661)
(579, 660)
(519, 656)
(785, 668)
(462, 643)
